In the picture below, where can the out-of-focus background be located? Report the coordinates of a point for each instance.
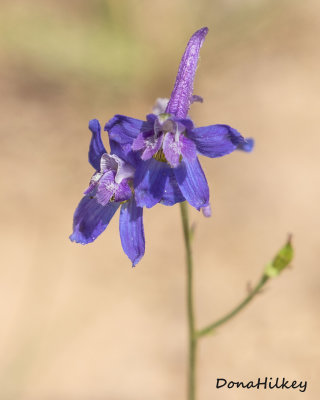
(76, 322)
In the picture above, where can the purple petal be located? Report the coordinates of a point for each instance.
(124, 151)
(172, 149)
(193, 183)
(91, 219)
(176, 145)
(181, 95)
(106, 188)
(96, 148)
(152, 146)
(114, 163)
(90, 188)
(151, 118)
(216, 140)
(149, 182)
(139, 142)
(131, 231)
(188, 148)
(123, 191)
(172, 193)
(187, 123)
(124, 129)
(93, 183)
(149, 142)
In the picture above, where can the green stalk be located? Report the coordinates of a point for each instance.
(280, 262)
(210, 328)
(190, 307)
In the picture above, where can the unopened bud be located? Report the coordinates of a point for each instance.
(281, 260)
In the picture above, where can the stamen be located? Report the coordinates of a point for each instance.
(159, 156)
(130, 183)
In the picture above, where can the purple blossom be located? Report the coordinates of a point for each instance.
(110, 188)
(152, 161)
(168, 143)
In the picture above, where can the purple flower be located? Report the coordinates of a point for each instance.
(110, 188)
(168, 144)
(152, 161)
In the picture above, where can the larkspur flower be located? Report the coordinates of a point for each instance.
(110, 188)
(152, 161)
(168, 143)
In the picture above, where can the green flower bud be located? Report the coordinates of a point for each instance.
(281, 260)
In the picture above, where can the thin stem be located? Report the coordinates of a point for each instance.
(210, 328)
(190, 307)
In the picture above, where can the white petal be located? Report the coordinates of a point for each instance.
(124, 170)
(108, 163)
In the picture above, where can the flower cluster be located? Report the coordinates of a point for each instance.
(152, 161)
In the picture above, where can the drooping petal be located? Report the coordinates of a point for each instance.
(172, 193)
(188, 148)
(91, 219)
(192, 182)
(181, 95)
(149, 182)
(96, 148)
(131, 231)
(216, 140)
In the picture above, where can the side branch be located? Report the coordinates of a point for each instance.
(281, 261)
(210, 328)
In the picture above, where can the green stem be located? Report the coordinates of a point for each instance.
(194, 334)
(190, 307)
(210, 328)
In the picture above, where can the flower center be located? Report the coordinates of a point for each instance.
(159, 156)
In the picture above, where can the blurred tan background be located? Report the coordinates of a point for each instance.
(76, 322)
